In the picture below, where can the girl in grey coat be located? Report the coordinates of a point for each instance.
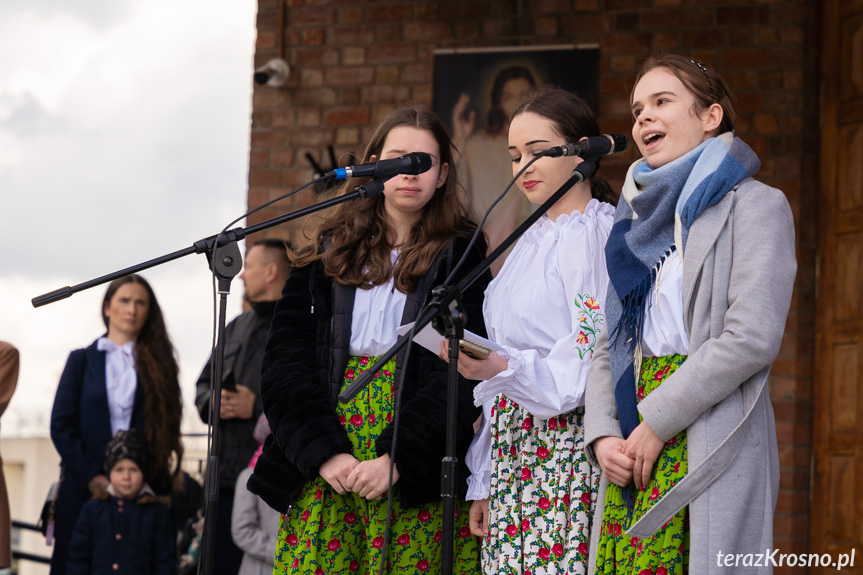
(701, 266)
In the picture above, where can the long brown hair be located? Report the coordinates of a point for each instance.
(572, 119)
(157, 374)
(705, 85)
(360, 234)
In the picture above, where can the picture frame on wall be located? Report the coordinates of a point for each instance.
(475, 92)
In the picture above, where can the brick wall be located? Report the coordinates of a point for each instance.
(354, 61)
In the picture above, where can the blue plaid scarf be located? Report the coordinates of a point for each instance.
(653, 218)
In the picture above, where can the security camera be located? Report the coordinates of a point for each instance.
(274, 73)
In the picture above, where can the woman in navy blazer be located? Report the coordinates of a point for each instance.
(96, 396)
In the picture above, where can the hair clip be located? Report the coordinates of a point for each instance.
(703, 68)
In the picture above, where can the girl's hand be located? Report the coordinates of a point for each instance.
(616, 465)
(336, 470)
(370, 479)
(479, 518)
(643, 446)
(478, 369)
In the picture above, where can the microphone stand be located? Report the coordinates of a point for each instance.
(224, 259)
(445, 311)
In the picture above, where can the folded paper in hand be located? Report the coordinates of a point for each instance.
(430, 339)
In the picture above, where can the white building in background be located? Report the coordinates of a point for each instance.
(31, 465)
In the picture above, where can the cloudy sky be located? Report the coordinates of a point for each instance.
(124, 135)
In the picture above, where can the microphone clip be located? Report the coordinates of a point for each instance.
(370, 189)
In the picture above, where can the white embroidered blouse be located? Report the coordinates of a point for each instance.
(545, 308)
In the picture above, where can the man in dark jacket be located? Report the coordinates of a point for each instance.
(266, 269)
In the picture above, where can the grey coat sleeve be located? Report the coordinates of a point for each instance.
(249, 529)
(747, 338)
(600, 415)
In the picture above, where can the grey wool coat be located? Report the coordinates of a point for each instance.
(738, 273)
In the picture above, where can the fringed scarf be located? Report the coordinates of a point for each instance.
(653, 218)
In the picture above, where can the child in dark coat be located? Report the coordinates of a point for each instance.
(130, 530)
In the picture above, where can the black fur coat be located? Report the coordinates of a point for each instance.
(304, 364)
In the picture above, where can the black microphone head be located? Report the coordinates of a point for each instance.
(420, 163)
(619, 143)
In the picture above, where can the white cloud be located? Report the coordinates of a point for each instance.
(124, 134)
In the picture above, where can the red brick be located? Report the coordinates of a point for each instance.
(549, 6)
(466, 30)
(392, 53)
(387, 33)
(310, 16)
(765, 124)
(793, 432)
(624, 43)
(312, 138)
(346, 116)
(664, 42)
(423, 31)
(387, 74)
(262, 119)
(268, 21)
(350, 15)
(353, 56)
(352, 36)
(795, 456)
(264, 177)
(315, 57)
(701, 17)
(422, 93)
(662, 19)
(742, 15)
(495, 28)
(382, 94)
(264, 97)
(390, 13)
(743, 58)
(350, 96)
(793, 80)
(426, 10)
(296, 177)
(452, 11)
(265, 39)
(284, 157)
(765, 35)
(314, 36)
(259, 157)
(316, 97)
(545, 27)
(311, 77)
(792, 503)
(284, 118)
(267, 138)
(791, 35)
(627, 4)
(412, 73)
(308, 117)
(350, 76)
(257, 196)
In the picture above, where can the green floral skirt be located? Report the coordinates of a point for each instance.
(327, 533)
(667, 552)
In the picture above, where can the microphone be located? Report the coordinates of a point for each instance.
(412, 164)
(591, 148)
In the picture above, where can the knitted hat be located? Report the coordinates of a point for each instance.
(126, 445)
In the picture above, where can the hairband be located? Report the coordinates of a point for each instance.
(703, 68)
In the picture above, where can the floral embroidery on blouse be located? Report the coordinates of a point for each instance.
(590, 322)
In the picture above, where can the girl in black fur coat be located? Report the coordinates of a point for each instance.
(367, 267)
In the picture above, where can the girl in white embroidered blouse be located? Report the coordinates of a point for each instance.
(533, 489)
